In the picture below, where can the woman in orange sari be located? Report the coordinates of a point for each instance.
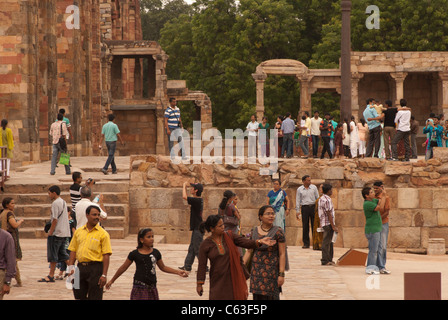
(317, 236)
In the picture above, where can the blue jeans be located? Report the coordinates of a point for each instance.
(287, 144)
(382, 250)
(193, 250)
(54, 160)
(315, 140)
(177, 136)
(303, 142)
(111, 146)
(374, 244)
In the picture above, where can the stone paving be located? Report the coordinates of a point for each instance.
(306, 279)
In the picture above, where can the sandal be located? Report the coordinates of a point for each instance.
(50, 279)
(60, 277)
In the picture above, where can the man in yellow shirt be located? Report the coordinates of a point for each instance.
(91, 246)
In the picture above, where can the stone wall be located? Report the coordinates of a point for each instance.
(419, 209)
(46, 65)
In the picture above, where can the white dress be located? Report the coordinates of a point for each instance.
(354, 139)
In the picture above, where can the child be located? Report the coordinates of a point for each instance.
(145, 257)
(296, 139)
(338, 145)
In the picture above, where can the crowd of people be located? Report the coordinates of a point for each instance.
(384, 131)
(75, 234)
(230, 257)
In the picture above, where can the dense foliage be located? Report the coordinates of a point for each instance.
(215, 45)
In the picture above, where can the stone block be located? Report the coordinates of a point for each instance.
(397, 169)
(440, 198)
(438, 233)
(400, 218)
(442, 217)
(353, 237)
(345, 197)
(441, 154)
(404, 237)
(352, 218)
(408, 198)
(158, 198)
(425, 198)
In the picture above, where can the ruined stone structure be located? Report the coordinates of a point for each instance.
(419, 77)
(417, 190)
(50, 61)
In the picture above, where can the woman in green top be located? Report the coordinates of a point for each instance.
(264, 137)
(373, 226)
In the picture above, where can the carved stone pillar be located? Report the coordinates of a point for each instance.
(399, 78)
(444, 94)
(305, 94)
(160, 141)
(356, 77)
(259, 83)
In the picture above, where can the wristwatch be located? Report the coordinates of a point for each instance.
(8, 283)
(104, 276)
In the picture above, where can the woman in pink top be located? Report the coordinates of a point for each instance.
(363, 129)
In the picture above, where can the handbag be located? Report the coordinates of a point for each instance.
(62, 143)
(64, 159)
(230, 221)
(48, 223)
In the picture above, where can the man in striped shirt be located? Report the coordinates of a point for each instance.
(75, 189)
(173, 122)
(327, 223)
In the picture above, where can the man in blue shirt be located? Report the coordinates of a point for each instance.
(287, 128)
(173, 122)
(110, 133)
(374, 124)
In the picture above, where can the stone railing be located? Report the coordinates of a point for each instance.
(419, 198)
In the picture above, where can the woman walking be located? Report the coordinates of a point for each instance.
(9, 223)
(228, 212)
(146, 257)
(268, 264)
(8, 141)
(279, 200)
(227, 277)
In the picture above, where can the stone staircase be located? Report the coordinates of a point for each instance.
(29, 184)
(33, 205)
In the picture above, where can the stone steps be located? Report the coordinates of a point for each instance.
(34, 205)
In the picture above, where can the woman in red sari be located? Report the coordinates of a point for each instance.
(227, 278)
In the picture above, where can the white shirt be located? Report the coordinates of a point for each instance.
(251, 126)
(315, 126)
(306, 196)
(80, 210)
(403, 120)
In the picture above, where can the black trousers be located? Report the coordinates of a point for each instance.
(326, 148)
(374, 142)
(327, 245)
(307, 218)
(89, 275)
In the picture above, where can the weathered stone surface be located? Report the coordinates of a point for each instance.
(402, 237)
(396, 169)
(408, 198)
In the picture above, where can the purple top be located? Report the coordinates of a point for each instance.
(7, 255)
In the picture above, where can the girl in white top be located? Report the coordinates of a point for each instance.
(354, 138)
(363, 131)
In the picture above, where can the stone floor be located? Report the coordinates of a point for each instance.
(306, 279)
